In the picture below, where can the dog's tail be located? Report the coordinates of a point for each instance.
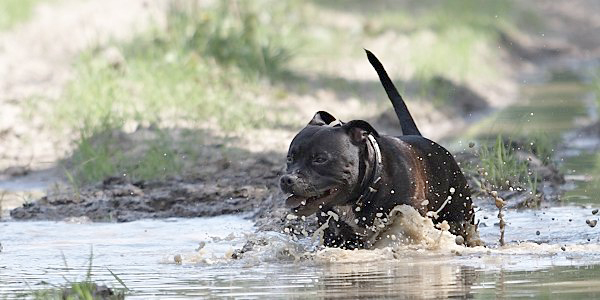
(406, 121)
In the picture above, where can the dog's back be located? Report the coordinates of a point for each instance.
(444, 178)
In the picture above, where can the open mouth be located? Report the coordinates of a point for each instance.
(302, 203)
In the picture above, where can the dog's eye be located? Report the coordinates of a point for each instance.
(320, 160)
(290, 159)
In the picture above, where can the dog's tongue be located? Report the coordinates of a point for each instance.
(294, 201)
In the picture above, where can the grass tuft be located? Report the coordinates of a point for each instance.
(500, 165)
(86, 289)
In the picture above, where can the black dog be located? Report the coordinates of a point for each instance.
(351, 176)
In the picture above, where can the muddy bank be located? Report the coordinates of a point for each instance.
(241, 187)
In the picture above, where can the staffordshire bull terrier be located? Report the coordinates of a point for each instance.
(353, 177)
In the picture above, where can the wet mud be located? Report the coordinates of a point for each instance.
(118, 199)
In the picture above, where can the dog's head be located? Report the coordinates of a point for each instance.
(323, 163)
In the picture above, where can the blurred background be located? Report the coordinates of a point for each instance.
(213, 91)
(117, 111)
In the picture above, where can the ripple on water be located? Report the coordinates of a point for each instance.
(142, 254)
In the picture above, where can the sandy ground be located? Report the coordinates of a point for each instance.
(36, 62)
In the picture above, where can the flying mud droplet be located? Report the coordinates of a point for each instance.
(591, 223)
(201, 246)
(443, 226)
(178, 259)
(537, 232)
(563, 248)
(459, 240)
(595, 211)
(471, 144)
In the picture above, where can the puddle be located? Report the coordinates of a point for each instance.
(142, 254)
(14, 191)
(548, 108)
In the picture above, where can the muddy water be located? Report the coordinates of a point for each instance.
(551, 253)
(143, 253)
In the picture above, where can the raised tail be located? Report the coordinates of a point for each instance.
(406, 121)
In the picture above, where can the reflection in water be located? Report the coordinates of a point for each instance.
(410, 278)
(585, 169)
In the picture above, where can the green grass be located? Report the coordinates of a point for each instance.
(110, 152)
(206, 67)
(501, 167)
(542, 145)
(85, 289)
(15, 11)
(231, 33)
(210, 68)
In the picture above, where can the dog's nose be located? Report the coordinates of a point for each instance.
(287, 181)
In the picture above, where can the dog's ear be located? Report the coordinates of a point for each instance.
(358, 130)
(322, 118)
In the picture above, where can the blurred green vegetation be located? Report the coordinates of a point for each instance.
(208, 67)
(232, 34)
(106, 152)
(14, 11)
(222, 67)
(453, 39)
